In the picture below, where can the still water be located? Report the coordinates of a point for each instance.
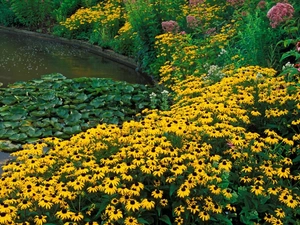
(23, 57)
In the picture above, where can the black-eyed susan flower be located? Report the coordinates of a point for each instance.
(230, 208)
(227, 193)
(116, 215)
(225, 165)
(283, 172)
(147, 204)
(269, 218)
(132, 205)
(204, 216)
(247, 169)
(179, 210)
(64, 214)
(183, 191)
(280, 213)
(163, 202)
(5, 218)
(24, 204)
(76, 217)
(292, 203)
(91, 223)
(40, 219)
(157, 193)
(131, 221)
(257, 190)
(179, 220)
(214, 189)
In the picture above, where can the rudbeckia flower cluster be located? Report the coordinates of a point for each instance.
(207, 157)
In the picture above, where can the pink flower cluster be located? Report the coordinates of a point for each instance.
(195, 2)
(235, 2)
(192, 22)
(170, 26)
(261, 5)
(280, 13)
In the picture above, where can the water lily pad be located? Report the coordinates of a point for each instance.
(53, 76)
(73, 118)
(34, 132)
(18, 137)
(62, 112)
(98, 102)
(39, 113)
(9, 100)
(72, 130)
(48, 96)
(8, 146)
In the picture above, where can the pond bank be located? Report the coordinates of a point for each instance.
(97, 50)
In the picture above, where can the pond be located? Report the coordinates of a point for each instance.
(25, 57)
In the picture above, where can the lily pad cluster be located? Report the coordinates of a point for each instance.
(60, 107)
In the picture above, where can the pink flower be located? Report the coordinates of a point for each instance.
(280, 13)
(261, 4)
(298, 46)
(192, 21)
(170, 26)
(235, 2)
(195, 2)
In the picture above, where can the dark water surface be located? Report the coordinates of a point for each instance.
(24, 57)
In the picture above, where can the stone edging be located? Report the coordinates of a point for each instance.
(109, 54)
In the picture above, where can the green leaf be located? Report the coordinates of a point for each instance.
(288, 54)
(165, 219)
(9, 100)
(48, 96)
(128, 89)
(73, 118)
(98, 102)
(53, 77)
(173, 188)
(297, 159)
(18, 137)
(39, 113)
(62, 112)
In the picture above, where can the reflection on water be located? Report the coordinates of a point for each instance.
(24, 58)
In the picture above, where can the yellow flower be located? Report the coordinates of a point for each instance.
(77, 217)
(146, 204)
(280, 213)
(246, 169)
(164, 202)
(157, 193)
(64, 214)
(132, 205)
(40, 220)
(178, 210)
(214, 189)
(204, 216)
(283, 172)
(116, 215)
(183, 191)
(131, 221)
(225, 165)
(257, 190)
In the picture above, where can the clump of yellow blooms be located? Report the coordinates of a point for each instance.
(185, 160)
(107, 13)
